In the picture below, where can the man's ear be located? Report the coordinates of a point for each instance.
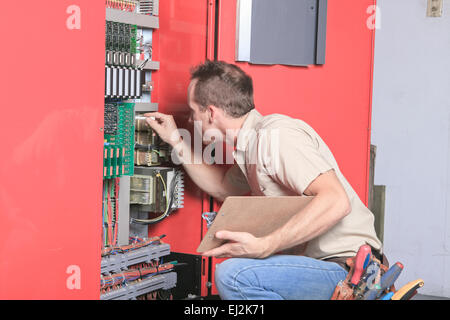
(212, 113)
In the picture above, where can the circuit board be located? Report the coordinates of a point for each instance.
(121, 37)
(118, 156)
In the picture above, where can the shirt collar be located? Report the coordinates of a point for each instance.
(245, 133)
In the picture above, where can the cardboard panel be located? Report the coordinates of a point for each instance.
(262, 216)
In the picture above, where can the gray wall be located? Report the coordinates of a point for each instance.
(410, 127)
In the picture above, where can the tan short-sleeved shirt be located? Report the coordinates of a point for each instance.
(281, 156)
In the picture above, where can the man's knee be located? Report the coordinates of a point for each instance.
(231, 272)
(230, 277)
(226, 270)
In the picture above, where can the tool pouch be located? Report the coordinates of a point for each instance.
(345, 290)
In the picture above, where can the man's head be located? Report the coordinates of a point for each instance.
(219, 94)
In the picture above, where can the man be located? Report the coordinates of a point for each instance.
(315, 242)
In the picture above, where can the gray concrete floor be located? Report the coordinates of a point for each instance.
(424, 297)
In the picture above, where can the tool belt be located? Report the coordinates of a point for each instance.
(345, 290)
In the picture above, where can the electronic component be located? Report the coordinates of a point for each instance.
(118, 262)
(118, 153)
(124, 5)
(157, 189)
(118, 258)
(150, 150)
(132, 82)
(124, 268)
(134, 273)
(123, 83)
(111, 119)
(108, 79)
(148, 7)
(123, 76)
(134, 290)
(110, 211)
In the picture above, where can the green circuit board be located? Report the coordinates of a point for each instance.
(121, 37)
(118, 154)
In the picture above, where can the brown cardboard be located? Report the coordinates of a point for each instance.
(259, 216)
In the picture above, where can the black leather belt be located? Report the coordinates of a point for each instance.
(341, 260)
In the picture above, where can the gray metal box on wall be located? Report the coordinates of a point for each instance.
(290, 32)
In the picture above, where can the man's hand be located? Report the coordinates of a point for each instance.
(240, 245)
(165, 126)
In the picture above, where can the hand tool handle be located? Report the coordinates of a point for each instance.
(371, 294)
(360, 260)
(389, 278)
(407, 291)
(387, 296)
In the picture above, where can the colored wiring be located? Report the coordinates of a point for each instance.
(135, 243)
(124, 5)
(134, 274)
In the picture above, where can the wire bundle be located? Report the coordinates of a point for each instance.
(124, 5)
(143, 271)
(136, 243)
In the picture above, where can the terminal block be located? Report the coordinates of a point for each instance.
(131, 291)
(118, 262)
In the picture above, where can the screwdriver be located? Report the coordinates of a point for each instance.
(387, 280)
(408, 290)
(387, 296)
(361, 260)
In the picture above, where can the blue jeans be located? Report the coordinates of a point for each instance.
(277, 277)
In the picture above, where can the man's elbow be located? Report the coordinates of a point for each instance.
(343, 205)
(219, 196)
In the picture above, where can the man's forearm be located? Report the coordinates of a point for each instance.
(210, 178)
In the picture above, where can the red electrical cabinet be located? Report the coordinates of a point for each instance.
(52, 87)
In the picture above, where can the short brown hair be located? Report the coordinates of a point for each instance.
(225, 86)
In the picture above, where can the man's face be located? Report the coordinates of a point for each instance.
(198, 116)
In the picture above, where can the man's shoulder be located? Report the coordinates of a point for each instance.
(282, 122)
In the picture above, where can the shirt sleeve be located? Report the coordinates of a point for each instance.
(295, 158)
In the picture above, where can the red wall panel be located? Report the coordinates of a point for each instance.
(51, 163)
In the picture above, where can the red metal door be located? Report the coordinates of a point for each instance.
(51, 163)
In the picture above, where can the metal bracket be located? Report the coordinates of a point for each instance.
(209, 218)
